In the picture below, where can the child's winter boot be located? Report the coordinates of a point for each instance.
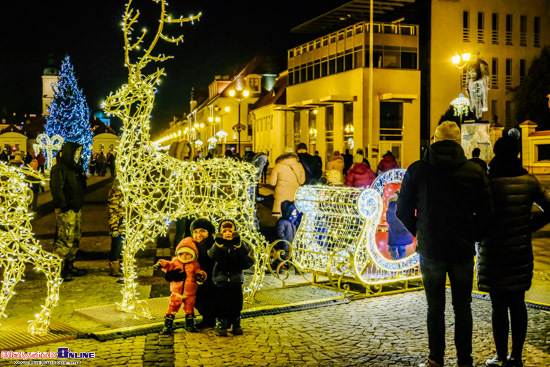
(190, 323)
(168, 324)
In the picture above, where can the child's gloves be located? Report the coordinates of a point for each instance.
(200, 278)
(157, 266)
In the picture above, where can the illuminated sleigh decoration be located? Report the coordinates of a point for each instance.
(337, 237)
(18, 245)
(158, 189)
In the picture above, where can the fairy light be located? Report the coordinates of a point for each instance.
(461, 106)
(157, 188)
(19, 247)
(50, 145)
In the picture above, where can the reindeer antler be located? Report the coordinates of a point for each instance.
(131, 17)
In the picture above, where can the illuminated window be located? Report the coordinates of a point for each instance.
(254, 84)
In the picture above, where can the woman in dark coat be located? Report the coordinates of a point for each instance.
(505, 255)
(203, 232)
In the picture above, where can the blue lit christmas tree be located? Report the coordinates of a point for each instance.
(69, 113)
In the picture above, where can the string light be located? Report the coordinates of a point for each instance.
(18, 245)
(157, 188)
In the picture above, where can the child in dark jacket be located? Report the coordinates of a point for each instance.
(398, 236)
(184, 274)
(231, 257)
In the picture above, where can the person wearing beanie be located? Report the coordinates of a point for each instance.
(505, 255)
(203, 232)
(445, 202)
(388, 162)
(231, 257)
(312, 167)
(359, 175)
(184, 274)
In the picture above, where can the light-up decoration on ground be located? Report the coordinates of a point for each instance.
(49, 145)
(336, 238)
(157, 188)
(18, 245)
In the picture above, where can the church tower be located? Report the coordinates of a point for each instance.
(49, 77)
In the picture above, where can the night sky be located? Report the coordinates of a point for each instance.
(229, 34)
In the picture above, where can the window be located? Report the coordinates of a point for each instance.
(509, 29)
(101, 147)
(508, 113)
(324, 67)
(312, 126)
(324, 42)
(508, 73)
(348, 60)
(329, 128)
(297, 129)
(480, 28)
(291, 76)
(494, 29)
(391, 120)
(331, 65)
(466, 26)
(522, 70)
(340, 62)
(303, 75)
(536, 40)
(348, 121)
(340, 36)
(409, 58)
(332, 38)
(317, 69)
(494, 73)
(254, 84)
(358, 57)
(391, 58)
(349, 32)
(494, 109)
(310, 71)
(523, 30)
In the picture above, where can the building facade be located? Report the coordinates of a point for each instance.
(506, 34)
(329, 83)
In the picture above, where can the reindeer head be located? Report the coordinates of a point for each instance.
(133, 102)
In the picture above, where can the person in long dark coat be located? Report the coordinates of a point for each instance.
(203, 232)
(505, 263)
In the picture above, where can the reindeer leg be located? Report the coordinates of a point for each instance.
(50, 264)
(130, 302)
(13, 271)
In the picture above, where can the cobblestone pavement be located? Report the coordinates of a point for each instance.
(378, 331)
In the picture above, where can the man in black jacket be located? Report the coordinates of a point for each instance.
(445, 202)
(68, 197)
(310, 163)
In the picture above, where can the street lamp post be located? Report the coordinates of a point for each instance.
(460, 61)
(239, 95)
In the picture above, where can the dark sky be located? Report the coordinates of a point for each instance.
(229, 34)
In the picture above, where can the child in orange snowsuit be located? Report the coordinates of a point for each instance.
(184, 274)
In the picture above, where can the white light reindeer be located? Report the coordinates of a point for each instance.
(18, 246)
(157, 188)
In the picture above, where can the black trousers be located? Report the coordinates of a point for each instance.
(501, 303)
(229, 300)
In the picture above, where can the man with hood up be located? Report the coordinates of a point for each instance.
(445, 202)
(68, 197)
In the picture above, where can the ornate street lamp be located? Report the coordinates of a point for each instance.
(239, 96)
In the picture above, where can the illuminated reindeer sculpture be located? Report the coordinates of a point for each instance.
(157, 188)
(18, 246)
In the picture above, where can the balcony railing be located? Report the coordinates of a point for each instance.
(509, 38)
(536, 40)
(508, 81)
(480, 36)
(494, 38)
(523, 39)
(494, 81)
(465, 34)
